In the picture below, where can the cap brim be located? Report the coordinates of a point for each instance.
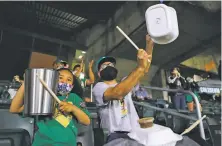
(106, 59)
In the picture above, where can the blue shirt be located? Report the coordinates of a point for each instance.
(141, 93)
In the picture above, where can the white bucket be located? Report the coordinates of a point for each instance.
(162, 24)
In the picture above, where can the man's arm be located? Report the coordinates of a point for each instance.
(91, 79)
(77, 74)
(17, 102)
(149, 50)
(171, 81)
(124, 87)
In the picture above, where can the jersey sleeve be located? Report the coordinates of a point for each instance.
(77, 101)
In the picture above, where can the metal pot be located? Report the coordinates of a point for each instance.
(37, 100)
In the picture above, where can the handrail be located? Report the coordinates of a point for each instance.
(202, 133)
(169, 111)
(91, 94)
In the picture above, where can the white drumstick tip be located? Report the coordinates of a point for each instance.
(125, 35)
(193, 125)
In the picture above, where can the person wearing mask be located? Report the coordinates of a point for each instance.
(176, 81)
(116, 108)
(60, 129)
(77, 89)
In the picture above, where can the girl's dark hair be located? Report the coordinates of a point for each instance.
(74, 78)
(77, 89)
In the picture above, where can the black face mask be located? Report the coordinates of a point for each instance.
(109, 73)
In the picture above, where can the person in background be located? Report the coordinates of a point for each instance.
(58, 63)
(141, 94)
(59, 130)
(78, 72)
(176, 81)
(135, 89)
(17, 79)
(217, 97)
(192, 86)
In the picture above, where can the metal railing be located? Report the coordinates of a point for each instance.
(168, 111)
(202, 133)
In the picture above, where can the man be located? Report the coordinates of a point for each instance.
(176, 81)
(57, 64)
(116, 109)
(141, 94)
(78, 72)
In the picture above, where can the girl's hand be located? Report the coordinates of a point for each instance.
(66, 107)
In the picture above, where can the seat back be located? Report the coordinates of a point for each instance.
(14, 128)
(14, 137)
(15, 121)
(215, 134)
(6, 142)
(85, 135)
(100, 134)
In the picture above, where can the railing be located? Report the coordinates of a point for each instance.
(169, 111)
(202, 133)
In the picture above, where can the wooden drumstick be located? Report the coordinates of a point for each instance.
(123, 33)
(193, 125)
(48, 89)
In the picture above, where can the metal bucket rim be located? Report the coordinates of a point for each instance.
(41, 68)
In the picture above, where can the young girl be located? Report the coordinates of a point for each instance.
(59, 130)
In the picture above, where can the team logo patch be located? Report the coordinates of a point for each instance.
(83, 104)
